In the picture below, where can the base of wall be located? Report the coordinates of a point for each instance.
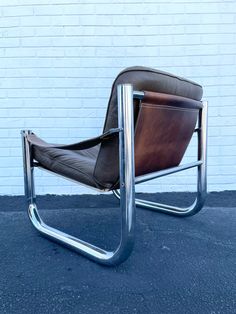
(17, 203)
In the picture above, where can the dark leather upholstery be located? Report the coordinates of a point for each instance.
(77, 165)
(169, 121)
(142, 79)
(172, 120)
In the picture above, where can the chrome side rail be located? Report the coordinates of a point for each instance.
(165, 172)
(201, 165)
(127, 191)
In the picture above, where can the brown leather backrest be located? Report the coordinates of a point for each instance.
(107, 166)
(163, 131)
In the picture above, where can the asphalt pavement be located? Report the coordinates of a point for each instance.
(178, 265)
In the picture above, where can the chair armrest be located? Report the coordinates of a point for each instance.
(34, 140)
(93, 141)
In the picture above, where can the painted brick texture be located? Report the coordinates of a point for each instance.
(58, 60)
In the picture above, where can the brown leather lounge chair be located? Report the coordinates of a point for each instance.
(150, 120)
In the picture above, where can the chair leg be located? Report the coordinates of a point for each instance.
(127, 201)
(201, 177)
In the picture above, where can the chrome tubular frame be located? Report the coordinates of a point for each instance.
(127, 190)
(201, 165)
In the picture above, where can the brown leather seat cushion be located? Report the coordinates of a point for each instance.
(77, 165)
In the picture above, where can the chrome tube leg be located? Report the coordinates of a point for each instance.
(28, 168)
(127, 202)
(202, 155)
(126, 165)
(201, 176)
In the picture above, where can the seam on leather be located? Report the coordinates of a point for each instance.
(167, 107)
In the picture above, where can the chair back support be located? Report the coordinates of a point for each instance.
(163, 131)
(164, 123)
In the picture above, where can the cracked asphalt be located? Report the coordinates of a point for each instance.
(179, 265)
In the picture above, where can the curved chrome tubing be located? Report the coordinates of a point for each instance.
(168, 209)
(201, 164)
(127, 192)
(91, 251)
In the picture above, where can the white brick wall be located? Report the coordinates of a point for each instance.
(58, 59)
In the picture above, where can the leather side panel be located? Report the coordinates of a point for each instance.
(162, 135)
